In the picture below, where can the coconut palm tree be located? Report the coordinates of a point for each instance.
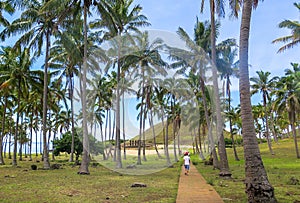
(294, 38)
(217, 7)
(265, 85)
(160, 101)
(227, 51)
(36, 25)
(20, 77)
(7, 7)
(195, 60)
(258, 187)
(119, 17)
(148, 64)
(288, 98)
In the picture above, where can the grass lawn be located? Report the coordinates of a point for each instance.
(281, 169)
(21, 184)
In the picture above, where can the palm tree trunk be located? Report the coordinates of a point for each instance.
(5, 146)
(208, 123)
(123, 116)
(1, 151)
(45, 101)
(139, 161)
(153, 133)
(167, 144)
(2, 131)
(200, 143)
(174, 141)
(30, 141)
(258, 188)
(72, 118)
(267, 124)
(118, 115)
(14, 162)
(9, 145)
(224, 167)
(84, 167)
(231, 130)
(295, 140)
(144, 136)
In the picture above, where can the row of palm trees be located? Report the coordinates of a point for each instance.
(60, 31)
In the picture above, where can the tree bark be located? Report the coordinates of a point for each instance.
(258, 188)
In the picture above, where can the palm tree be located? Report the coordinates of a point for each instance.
(7, 7)
(288, 98)
(264, 84)
(292, 39)
(227, 51)
(258, 113)
(258, 187)
(195, 60)
(148, 64)
(217, 7)
(119, 16)
(20, 77)
(66, 55)
(160, 100)
(36, 24)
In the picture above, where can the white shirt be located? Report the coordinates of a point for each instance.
(186, 160)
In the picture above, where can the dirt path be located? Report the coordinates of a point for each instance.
(194, 189)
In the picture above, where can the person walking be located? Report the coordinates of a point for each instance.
(187, 162)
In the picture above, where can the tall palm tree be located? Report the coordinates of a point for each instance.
(66, 55)
(196, 60)
(148, 63)
(258, 187)
(294, 38)
(217, 7)
(264, 84)
(119, 17)
(227, 51)
(36, 25)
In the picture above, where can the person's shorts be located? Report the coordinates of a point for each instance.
(187, 167)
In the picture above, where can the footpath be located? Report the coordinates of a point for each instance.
(194, 189)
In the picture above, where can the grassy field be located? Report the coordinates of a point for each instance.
(282, 169)
(21, 184)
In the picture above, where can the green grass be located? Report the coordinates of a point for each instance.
(280, 168)
(21, 184)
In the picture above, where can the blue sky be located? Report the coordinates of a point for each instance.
(168, 15)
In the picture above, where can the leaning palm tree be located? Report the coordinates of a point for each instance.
(294, 38)
(258, 187)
